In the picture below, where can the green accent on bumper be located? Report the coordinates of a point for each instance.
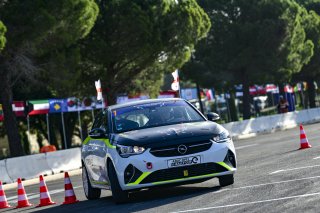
(225, 165)
(188, 178)
(143, 176)
(106, 141)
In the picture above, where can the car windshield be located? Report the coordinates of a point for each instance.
(154, 114)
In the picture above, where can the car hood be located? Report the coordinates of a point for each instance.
(168, 135)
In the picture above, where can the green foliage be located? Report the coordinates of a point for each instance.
(132, 38)
(311, 24)
(38, 34)
(251, 41)
(2, 37)
(264, 39)
(45, 25)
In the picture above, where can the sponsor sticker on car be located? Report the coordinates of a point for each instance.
(184, 161)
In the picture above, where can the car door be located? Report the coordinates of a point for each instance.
(98, 149)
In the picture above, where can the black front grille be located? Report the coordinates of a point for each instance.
(192, 148)
(180, 172)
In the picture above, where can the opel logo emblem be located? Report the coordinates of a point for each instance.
(182, 149)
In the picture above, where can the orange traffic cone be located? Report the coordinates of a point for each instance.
(3, 200)
(304, 143)
(45, 199)
(70, 197)
(22, 197)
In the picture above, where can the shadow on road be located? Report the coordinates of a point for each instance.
(139, 201)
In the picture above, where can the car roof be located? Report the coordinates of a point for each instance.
(133, 103)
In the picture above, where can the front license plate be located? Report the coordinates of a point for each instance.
(184, 161)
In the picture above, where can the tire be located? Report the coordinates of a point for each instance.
(119, 196)
(226, 180)
(90, 192)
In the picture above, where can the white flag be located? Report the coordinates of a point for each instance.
(99, 90)
(175, 84)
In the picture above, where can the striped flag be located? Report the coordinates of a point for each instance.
(1, 114)
(37, 107)
(18, 108)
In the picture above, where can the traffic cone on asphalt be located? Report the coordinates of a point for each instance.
(304, 143)
(70, 197)
(3, 200)
(22, 196)
(45, 199)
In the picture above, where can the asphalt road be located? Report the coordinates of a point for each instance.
(273, 176)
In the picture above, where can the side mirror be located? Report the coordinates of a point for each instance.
(213, 116)
(98, 133)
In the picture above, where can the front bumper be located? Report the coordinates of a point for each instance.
(219, 160)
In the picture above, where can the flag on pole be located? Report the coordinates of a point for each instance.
(73, 104)
(1, 114)
(288, 89)
(175, 84)
(37, 107)
(58, 105)
(209, 95)
(88, 103)
(99, 90)
(18, 108)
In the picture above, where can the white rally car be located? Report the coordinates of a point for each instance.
(151, 143)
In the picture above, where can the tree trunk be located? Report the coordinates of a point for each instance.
(111, 97)
(311, 93)
(10, 121)
(71, 120)
(233, 108)
(246, 98)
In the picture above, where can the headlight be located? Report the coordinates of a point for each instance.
(126, 151)
(221, 138)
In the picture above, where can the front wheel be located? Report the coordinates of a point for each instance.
(119, 196)
(226, 180)
(90, 192)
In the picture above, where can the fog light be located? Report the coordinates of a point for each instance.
(128, 173)
(230, 159)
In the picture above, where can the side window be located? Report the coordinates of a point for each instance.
(98, 121)
(105, 121)
(101, 121)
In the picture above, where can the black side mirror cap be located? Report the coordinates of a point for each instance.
(213, 116)
(98, 133)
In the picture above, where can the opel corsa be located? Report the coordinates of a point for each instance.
(152, 143)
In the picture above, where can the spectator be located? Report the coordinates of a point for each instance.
(283, 105)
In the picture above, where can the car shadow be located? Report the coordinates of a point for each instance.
(139, 201)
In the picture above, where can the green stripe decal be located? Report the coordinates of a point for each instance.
(39, 101)
(225, 165)
(143, 176)
(106, 141)
(86, 141)
(187, 178)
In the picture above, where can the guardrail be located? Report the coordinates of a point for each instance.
(28, 167)
(32, 166)
(267, 124)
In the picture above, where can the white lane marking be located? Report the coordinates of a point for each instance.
(249, 203)
(15, 197)
(242, 147)
(265, 184)
(284, 170)
(31, 196)
(316, 158)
